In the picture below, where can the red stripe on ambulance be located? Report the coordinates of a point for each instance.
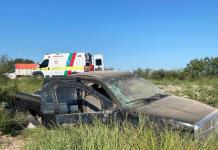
(69, 72)
(73, 59)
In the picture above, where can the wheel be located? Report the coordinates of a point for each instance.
(39, 76)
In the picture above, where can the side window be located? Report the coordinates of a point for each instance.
(97, 103)
(98, 62)
(108, 103)
(11, 71)
(44, 63)
(48, 106)
(65, 94)
(75, 100)
(100, 89)
(67, 100)
(47, 94)
(92, 103)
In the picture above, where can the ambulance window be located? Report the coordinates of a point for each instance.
(98, 62)
(44, 63)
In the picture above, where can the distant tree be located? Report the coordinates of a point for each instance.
(214, 66)
(6, 64)
(197, 68)
(143, 73)
(21, 60)
(202, 67)
(159, 74)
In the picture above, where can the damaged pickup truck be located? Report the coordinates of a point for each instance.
(114, 95)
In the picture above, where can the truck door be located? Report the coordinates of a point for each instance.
(78, 104)
(98, 63)
(43, 70)
(48, 105)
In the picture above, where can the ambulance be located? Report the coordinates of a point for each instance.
(64, 64)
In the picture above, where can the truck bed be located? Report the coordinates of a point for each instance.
(28, 102)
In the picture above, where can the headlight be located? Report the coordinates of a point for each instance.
(206, 126)
(181, 125)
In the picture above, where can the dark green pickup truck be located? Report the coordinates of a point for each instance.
(112, 95)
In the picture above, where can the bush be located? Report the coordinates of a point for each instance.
(206, 67)
(10, 123)
(196, 69)
(6, 64)
(161, 74)
(8, 90)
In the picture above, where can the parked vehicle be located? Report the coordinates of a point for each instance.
(21, 70)
(63, 64)
(11, 74)
(112, 95)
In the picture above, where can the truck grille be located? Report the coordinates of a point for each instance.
(206, 126)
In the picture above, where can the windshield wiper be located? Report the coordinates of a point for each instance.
(137, 100)
(150, 99)
(160, 95)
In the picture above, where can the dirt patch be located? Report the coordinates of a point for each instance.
(11, 143)
(170, 88)
(175, 90)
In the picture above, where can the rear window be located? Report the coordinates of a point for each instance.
(98, 62)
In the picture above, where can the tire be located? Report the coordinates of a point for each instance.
(39, 76)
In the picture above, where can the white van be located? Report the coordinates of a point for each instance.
(59, 64)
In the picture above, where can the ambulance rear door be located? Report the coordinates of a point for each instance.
(98, 62)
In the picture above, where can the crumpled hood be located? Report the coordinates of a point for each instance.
(178, 108)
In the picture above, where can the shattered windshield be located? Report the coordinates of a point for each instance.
(128, 89)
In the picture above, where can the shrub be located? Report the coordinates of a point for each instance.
(10, 123)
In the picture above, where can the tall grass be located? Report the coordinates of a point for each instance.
(29, 85)
(24, 84)
(204, 90)
(102, 137)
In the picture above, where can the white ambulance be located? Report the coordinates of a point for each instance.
(63, 64)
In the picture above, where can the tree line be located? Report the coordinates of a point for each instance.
(7, 64)
(195, 69)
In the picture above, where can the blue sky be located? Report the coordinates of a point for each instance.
(130, 33)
